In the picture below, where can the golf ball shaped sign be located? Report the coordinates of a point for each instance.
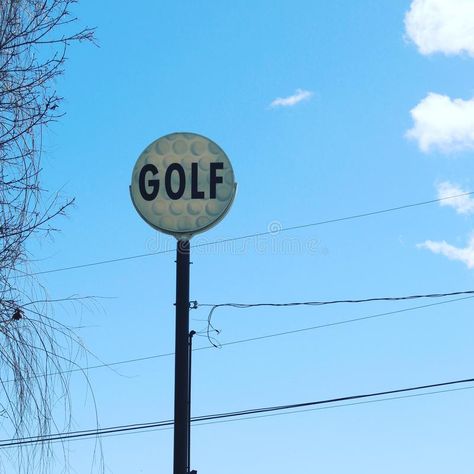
(183, 184)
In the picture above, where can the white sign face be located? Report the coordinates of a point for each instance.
(182, 184)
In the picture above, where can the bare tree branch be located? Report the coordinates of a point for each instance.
(35, 349)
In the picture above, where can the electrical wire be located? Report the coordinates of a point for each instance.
(214, 306)
(256, 338)
(254, 235)
(7, 443)
(293, 412)
(340, 405)
(329, 302)
(336, 323)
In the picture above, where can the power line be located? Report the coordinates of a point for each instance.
(6, 443)
(101, 262)
(337, 323)
(213, 307)
(340, 405)
(256, 338)
(330, 302)
(254, 235)
(293, 412)
(169, 424)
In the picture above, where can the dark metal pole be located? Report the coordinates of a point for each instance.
(190, 352)
(181, 390)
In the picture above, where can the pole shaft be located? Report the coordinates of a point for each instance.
(190, 356)
(181, 394)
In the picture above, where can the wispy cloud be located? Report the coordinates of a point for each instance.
(443, 123)
(461, 204)
(444, 26)
(464, 255)
(299, 96)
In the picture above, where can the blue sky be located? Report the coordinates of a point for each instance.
(326, 109)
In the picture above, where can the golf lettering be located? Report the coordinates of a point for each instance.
(183, 184)
(175, 179)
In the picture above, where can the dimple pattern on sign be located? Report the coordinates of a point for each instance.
(188, 214)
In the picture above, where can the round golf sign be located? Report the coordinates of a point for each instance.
(183, 184)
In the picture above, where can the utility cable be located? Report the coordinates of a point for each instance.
(257, 234)
(329, 302)
(211, 328)
(293, 412)
(253, 339)
(6, 443)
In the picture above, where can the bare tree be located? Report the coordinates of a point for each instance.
(35, 349)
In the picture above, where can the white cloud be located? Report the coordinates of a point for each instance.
(443, 123)
(461, 204)
(445, 26)
(464, 255)
(298, 96)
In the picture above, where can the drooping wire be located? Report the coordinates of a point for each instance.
(214, 306)
(329, 302)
